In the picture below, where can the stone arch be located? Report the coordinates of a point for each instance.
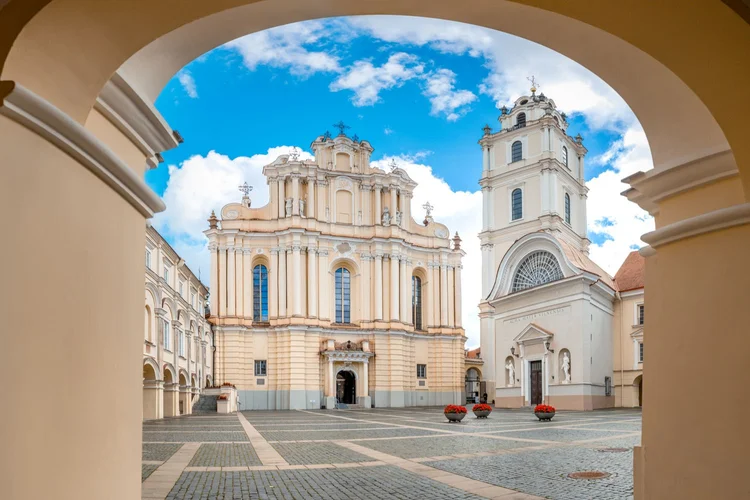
(193, 381)
(154, 291)
(151, 369)
(170, 375)
(183, 377)
(638, 390)
(209, 380)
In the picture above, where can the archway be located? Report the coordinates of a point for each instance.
(152, 389)
(638, 386)
(471, 385)
(346, 387)
(171, 393)
(185, 397)
(648, 69)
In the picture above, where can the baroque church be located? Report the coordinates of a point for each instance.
(555, 328)
(332, 294)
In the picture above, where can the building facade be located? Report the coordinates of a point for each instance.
(332, 293)
(548, 312)
(630, 316)
(177, 338)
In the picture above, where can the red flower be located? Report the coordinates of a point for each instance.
(544, 409)
(481, 407)
(223, 397)
(454, 409)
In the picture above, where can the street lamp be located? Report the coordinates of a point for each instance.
(546, 346)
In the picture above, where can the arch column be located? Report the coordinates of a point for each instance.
(273, 284)
(394, 288)
(377, 289)
(312, 282)
(282, 282)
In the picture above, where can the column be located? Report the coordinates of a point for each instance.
(296, 281)
(295, 194)
(485, 208)
(356, 193)
(459, 309)
(273, 283)
(222, 281)
(312, 282)
(367, 289)
(544, 189)
(554, 206)
(406, 197)
(443, 294)
(404, 290)
(450, 290)
(231, 281)
(213, 251)
(436, 294)
(331, 386)
(367, 217)
(485, 161)
(365, 378)
(273, 192)
(408, 292)
(377, 288)
(322, 200)
(282, 282)
(324, 312)
(282, 198)
(393, 207)
(377, 191)
(247, 284)
(491, 208)
(312, 210)
(394, 291)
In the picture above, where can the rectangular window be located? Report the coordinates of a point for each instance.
(416, 301)
(260, 367)
(181, 288)
(260, 293)
(607, 386)
(166, 274)
(641, 309)
(148, 259)
(165, 326)
(421, 371)
(640, 352)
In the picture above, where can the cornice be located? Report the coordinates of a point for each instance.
(138, 120)
(724, 218)
(38, 115)
(647, 189)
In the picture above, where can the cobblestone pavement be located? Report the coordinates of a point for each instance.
(390, 453)
(225, 455)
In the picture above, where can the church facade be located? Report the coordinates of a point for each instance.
(550, 318)
(332, 294)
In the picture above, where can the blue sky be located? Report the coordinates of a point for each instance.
(419, 90)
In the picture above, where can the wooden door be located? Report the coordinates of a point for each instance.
(536, 382)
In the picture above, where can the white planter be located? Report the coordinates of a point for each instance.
(223, 406)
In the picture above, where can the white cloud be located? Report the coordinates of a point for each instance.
(387, 131)
(205, 183)
(445, 99)
(367, 80)
(461, 211)
(188, 83)
(285, 47)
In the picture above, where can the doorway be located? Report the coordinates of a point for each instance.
(346, 387)
(535, 375)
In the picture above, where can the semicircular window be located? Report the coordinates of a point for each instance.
(536, 269)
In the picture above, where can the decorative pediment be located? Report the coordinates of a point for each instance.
(533, 334)
(638, 334)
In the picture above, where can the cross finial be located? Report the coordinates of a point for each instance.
(294, 154)
(534, 83)
(341, 126)
(392, 165)
(428, 207)
(245, 189)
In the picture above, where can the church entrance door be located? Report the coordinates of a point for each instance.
(536, 382)
(346, 387)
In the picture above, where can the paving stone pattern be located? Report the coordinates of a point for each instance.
(146, 470)
(160, 451)
(441, 446)
(346, 434)
(188, 436)
(318, 453)
(225, 455)
(364, 483)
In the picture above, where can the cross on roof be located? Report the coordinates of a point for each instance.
(341, 126)
(294, 154)
(428, 208)
(245, 189)
(534, 83)
(392, 165)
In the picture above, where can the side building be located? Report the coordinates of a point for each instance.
(332, 294)
(177, 338)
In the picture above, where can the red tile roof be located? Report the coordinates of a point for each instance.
(475, 353)
(632, 273)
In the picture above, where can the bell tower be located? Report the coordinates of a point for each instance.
(532, 180)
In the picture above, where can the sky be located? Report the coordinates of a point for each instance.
(420, 91)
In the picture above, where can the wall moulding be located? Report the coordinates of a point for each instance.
(724, 218)
(38, 115)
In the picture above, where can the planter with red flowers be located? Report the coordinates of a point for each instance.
(544, 412)
(482, 410)
(223, 404)
(454, 413)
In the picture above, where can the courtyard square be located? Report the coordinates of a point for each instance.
(399, 453)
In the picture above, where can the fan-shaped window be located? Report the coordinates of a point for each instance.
(536, 269)
(521, 120)
(516, 198)
(342, 299)
(260, 293)
(416, 301)
(516, 151)
(565, 156)
(567, 208)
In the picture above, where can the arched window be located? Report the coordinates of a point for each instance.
(343, 295)
(516, 152)
(565, 156)
(260, 293)
(516, 204)
(416, 301)
(536, 269)
(521, 120)
(567, 208)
